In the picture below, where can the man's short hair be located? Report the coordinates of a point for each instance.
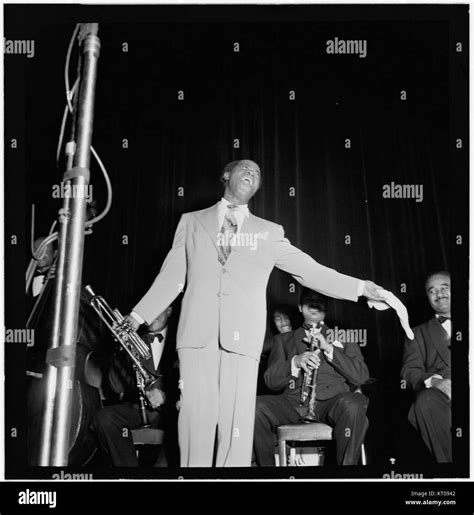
(284, 309)
(291, 312)
(91, 210)
(230, 166)
(439, 272)
(314, 299)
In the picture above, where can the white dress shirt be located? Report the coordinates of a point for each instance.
(240, 214)
(37, 286)
(157, 347)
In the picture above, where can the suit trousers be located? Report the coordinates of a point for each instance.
(345, 412)
(218, 390)
(430, 414)
(113, 425)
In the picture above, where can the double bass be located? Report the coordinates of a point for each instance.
(88, 371)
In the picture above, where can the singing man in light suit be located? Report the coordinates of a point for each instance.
(427, 370)
(223, 256)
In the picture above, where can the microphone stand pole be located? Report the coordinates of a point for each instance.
(60, 360)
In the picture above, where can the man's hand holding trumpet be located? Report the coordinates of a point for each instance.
(310, 360)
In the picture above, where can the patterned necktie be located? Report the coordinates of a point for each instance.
(442, 319)
(227, 233)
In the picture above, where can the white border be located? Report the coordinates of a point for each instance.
(233, 2)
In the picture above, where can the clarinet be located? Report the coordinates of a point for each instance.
(308, 388)
(142, 399)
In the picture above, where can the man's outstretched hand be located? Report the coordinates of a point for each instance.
(132, 322)
(370, 291)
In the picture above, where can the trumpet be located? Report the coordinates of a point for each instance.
(308, 388)
(129, 340)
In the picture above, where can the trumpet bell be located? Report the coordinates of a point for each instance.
(121, 330)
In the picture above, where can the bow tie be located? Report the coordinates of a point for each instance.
(159, 336)
(442, 319)
(307, 327)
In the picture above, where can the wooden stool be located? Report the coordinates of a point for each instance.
(300, 433)
(150, 436)
(304, 433)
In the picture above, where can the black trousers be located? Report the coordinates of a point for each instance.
(113, 425)
(345, 413)
(430, 414)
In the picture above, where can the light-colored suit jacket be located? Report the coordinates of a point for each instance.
(228, 303)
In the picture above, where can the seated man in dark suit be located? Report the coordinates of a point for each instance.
(340, 368)
(427, 370)
(113, 424)
(284, 319)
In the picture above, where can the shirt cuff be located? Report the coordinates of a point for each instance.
(295, 371)
(428, 381)
(137, 317)
(360, 288)
(329, 354)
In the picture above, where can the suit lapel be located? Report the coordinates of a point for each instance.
(251, 224)
(440, 339)
(149, 365)
(210, 222)
(299, 345)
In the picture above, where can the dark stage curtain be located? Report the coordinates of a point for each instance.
(326, 157)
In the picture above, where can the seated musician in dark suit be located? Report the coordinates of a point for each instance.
(283, 320)
(340, 368)
(44, 268)
(38, 307)
(427, 370)
(86, 399)
(113, 424)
